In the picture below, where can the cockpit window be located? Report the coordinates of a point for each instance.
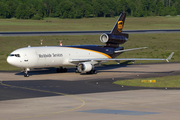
(16, 55)
(11, 55)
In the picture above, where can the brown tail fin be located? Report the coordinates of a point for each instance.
(119, 25)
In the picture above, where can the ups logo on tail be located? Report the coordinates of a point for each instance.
(120, 26)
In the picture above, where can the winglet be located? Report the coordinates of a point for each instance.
(170, 56)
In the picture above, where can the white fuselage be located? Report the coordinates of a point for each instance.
(39, 57)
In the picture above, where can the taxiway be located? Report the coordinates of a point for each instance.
(48, 95)
(49, 33)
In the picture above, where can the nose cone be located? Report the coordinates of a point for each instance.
(11, 61)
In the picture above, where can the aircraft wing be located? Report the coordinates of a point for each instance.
(119, 59)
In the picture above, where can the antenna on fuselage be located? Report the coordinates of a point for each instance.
(41, 41)
(60, 43)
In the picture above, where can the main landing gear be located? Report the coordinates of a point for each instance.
(76, 70)
(92, 72)
(61, 70)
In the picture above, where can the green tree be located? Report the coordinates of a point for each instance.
(25, 11)
(173, 11)
(119, 8)
(52, 8)
(3, 10)
(178, 8)
(96, 8)
(88, 11)
(47, 7)
(139, 9)
(64, 8)
(41, 10)
(152, 8)
(12, 5)
(124, 5)
(131, 7)
(37, 9)
(160, 8)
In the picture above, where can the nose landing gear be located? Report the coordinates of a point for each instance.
(26, 72)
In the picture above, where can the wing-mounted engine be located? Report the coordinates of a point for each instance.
(113, 40)
(84, 67)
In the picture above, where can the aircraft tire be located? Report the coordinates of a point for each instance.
(77, 71)
(94, 71)
(65, 70)
(58, 70)
(26, 75)
(89, 72)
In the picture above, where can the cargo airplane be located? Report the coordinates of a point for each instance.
(84, 57)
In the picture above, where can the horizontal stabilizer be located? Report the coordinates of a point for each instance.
(118, 51)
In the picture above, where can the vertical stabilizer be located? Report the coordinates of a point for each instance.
(115, 37)
(119, 25)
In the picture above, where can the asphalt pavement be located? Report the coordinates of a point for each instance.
(49, 33)
(48, 95)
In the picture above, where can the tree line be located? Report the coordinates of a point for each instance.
(38, 9)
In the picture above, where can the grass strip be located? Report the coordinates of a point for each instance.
(167, 81)
(159, 46)
(56, 24)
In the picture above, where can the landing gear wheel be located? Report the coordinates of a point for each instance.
(26, 75)
(88, 72)
(77, 71)
(58, 70)
(94, 71)
(61, 70)
(65, 70)
(26, 72)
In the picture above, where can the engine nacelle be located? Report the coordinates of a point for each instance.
(84, 67)
(113, 39)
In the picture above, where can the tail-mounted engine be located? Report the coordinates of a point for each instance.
(113, 40)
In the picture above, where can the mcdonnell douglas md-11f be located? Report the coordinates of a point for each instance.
(84, 57)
